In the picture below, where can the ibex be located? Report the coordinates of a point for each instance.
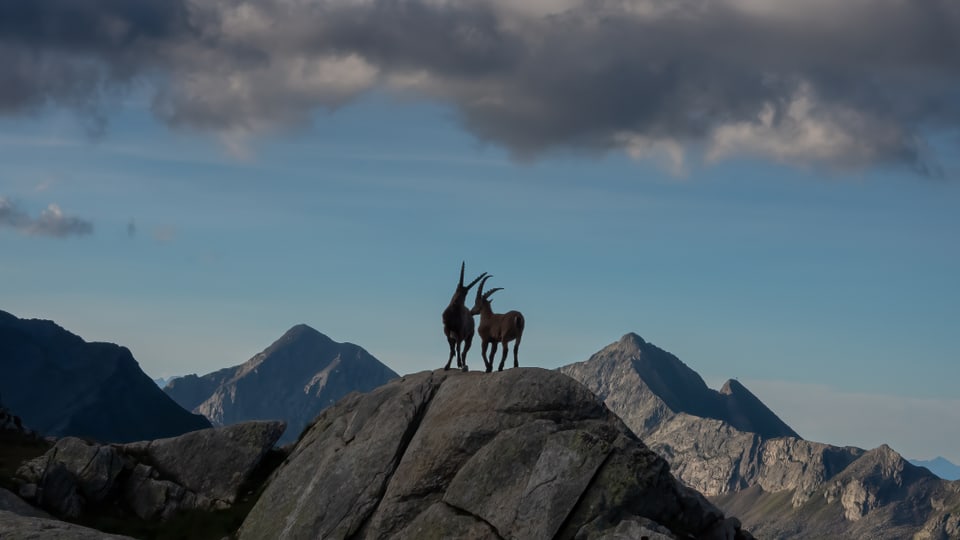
(496, 327)
(458, 322)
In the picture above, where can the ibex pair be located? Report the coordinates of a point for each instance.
(494, 327)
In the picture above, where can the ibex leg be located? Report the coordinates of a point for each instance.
(483, 353)
(516, 346)
(452, 342)
(466, 347)
(493, 356)
(503, 359)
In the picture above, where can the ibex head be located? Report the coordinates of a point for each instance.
(483, 298)
(460, 295)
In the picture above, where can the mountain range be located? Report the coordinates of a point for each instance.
(732, 448)
(61, 385)
(293, 379)
(724, 444)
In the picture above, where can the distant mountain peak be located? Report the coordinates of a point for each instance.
(939, 466)
(293, 379)
(300, 332)
(733, 386)
(631, 340)
(300, 329)
(676, 388)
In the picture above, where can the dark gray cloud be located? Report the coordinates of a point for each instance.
(842, 84)
(81, 54)
(50, 222)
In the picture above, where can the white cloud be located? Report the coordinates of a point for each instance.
(806, 130)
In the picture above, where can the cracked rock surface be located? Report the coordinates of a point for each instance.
(525, 453)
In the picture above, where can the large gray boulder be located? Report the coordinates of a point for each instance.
(211, 462)
(525, 453)
(16, 527)
(201, 470)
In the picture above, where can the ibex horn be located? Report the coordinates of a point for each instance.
(474, 282)
(487, 294)
(480, 288)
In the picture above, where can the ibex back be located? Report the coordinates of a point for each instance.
(496, 328)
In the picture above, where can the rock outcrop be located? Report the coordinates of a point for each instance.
(780, 485)
(201, 470)
(295, 378)
(525, 453)
(63, 386)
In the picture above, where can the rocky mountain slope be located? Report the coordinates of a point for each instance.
(293, 379)
(754, 466)
(648, 386)
(524, 453)
(61, 385)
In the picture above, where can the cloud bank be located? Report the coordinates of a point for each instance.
(845, 85)
(50, 222)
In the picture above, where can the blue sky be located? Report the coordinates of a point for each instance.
(814, 261)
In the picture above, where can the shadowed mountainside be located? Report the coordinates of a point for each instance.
(293, 379)
(61, 385)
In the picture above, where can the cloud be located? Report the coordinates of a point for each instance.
(918, 428)
(844, 85)
(50, 222)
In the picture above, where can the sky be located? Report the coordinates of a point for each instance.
(768, 190)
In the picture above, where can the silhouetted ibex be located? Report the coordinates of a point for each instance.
(458, 322)
(496, 327)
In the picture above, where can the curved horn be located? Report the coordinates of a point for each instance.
(474, 282)
(463, 265)
(491, 291)
(480, 288)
